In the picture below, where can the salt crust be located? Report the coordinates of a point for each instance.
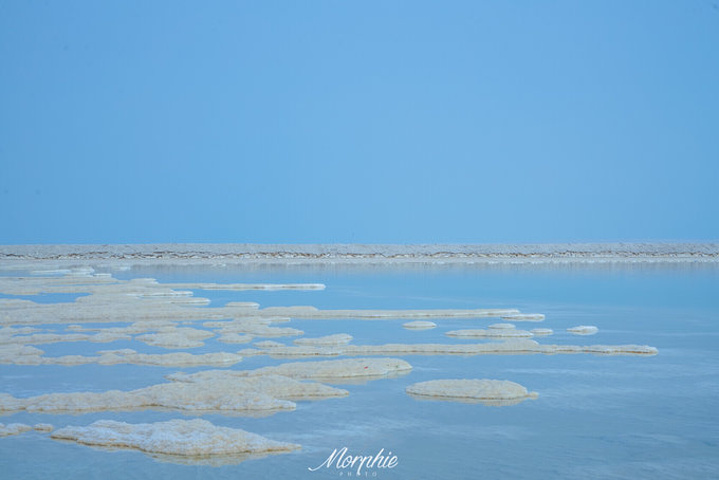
(191, 439)
(501, 326)
(264, 390)
(488, 392)
(583, 330)
(542, 331)
(254, 394)
(419, 325)
(325, 370)
(108, 300)
(13, 429)
(328, 340)
(25, 355)
(524, 317)
(43, 427)
(513, 346)
(235, 338)
(308, 312)
(125, 256)
(247, 286)
(489, 333)
(176, 338)
(43, 338)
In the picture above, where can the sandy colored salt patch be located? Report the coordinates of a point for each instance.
(13, 429)
(489, 333)
(240, 395)
(524, 317)
(583, 330)
(309, 312)
(419, 325)
(487, 392)
(328, 340)
(175, 438)
(542, 331)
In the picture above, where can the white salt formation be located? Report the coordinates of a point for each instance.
(501, 326)
(314, 313)
(268, 344)
(257, 394)
(13, 429)
(325, 370)
(509, 346)
(489, 333)
(247, 286)
(20, 355)
(419, 325)
(583, 330)
(542, 331)
(176, 338)
(235, 338)
(182, 438)
(488, 392)
(524, 317)
(329, 340)
(255, 326)
(338, 369)
(23, 355)
(43, 427)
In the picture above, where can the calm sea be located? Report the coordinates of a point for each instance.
(596, 417)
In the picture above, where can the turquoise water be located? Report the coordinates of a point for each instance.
(596, 416)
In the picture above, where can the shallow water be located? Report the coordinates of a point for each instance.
(596, 416)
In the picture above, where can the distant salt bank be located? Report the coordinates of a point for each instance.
(57, 256)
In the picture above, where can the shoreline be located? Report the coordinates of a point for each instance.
(351, 254)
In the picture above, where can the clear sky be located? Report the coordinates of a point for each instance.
(358, 121)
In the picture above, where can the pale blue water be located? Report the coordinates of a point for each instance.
(596, 416)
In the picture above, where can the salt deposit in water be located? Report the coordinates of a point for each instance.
(487, 392)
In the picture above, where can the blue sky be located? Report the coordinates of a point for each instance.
(346, 121)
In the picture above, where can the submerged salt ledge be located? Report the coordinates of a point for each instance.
(488, 392)
(183, 438)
